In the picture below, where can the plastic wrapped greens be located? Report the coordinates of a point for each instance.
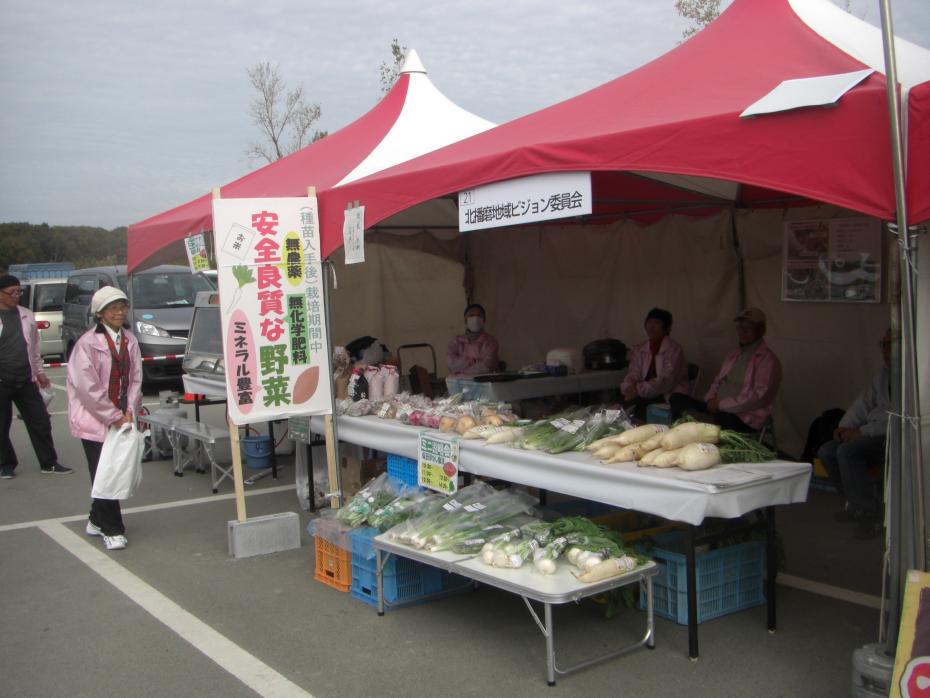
(410, 502)
(374, 495)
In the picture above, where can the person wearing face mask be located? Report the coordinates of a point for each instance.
(742, 394)
(474, 352)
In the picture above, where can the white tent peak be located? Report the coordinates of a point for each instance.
(863, 41)
(428, 120)
(412, 63)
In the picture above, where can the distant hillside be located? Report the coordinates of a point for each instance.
(25, 243)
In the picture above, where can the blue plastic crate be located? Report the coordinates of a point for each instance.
(728, 579)
(404, 580)
(403, 469)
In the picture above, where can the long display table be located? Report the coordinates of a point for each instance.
(549, 590)
(727, 493)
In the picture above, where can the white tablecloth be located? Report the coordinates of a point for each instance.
(667, 492)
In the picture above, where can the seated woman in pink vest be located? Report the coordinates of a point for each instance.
(742, 394)
(657, 366)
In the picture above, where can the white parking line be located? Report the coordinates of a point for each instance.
(833, 592)
(247, 668)
(150, 507)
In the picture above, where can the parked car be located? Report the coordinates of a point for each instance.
(161, 308)
(44, 297)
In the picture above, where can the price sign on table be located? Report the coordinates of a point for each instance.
(438, 463)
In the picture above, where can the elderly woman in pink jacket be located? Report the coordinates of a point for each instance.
(104, 390)
(657, 366)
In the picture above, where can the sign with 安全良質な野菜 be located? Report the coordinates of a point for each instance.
(438, 463)
(273, 316)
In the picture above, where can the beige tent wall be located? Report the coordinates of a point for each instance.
(829, 351)
(547, 287)
(401, 296)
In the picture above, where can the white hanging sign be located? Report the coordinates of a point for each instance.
(271, 297)
(353, 235)
(525, 200)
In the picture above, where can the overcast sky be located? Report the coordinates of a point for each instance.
(116, 110)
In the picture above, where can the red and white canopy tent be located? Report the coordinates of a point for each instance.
(413, 118)
(669, 137)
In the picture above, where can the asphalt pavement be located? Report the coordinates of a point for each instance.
(173, 615)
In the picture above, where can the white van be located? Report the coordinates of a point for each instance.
(45, 298)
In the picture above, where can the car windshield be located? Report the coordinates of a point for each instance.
(49, 297)
(171, 290)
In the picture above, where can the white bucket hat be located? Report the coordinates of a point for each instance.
(104, 297)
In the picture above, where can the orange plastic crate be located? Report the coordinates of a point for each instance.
(333, 565)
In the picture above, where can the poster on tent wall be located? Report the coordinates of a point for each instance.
(531, 199)
(832, 261)
(271, 297)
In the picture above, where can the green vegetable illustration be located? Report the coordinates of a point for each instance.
(243, 276)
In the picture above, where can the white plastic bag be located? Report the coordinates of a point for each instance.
(119, 470)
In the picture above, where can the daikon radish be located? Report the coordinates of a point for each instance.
(655, 442)
(504, 436)
(690, 432)
(698, 456)
(650, 457)
(607, 450)
(627, 453)
(611, 567)
(646, 431)
(595, 445)
(481, 432)
(666, 459)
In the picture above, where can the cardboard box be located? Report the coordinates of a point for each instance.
(358, 471)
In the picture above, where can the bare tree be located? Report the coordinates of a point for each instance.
(700, 12)
(391, 71)
(283, 116)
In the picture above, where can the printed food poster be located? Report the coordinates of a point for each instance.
(837, 260)
(271, 296)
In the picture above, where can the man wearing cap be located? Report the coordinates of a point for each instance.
(20, 371)
(742, 394)
(104, 390)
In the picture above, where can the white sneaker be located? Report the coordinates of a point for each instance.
(92, 529)
(115, 542)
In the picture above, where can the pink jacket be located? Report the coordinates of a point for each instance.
(31, 334)
(760, 384)
(671, 370)
(465, 358)
(90, 410)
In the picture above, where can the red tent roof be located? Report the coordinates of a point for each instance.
(680, 114)
(411, 119)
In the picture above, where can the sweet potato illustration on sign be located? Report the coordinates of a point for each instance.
(306, 384)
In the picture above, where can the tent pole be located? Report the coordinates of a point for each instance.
(740, 271)
(906, 533)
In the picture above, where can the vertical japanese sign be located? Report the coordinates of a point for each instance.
(353, 235)
(438, 463)
(271, 296)
(196, 252)
(838, 260)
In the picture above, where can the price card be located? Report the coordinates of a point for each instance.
(438, 463)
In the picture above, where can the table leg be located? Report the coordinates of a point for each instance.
(310, 475)
(691, 575)
(550, 645)
(274, 458)
(771, 565)
(196, 407)
(378, 567)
